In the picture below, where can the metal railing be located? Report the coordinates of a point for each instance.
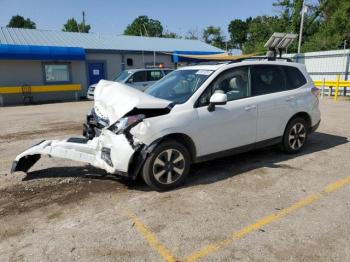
(330, 84)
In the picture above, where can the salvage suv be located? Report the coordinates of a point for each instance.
(193, 114)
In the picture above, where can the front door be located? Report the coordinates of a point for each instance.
(96, 72)
(232, 125)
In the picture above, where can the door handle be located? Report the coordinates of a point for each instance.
(288, 99)
(247, 108)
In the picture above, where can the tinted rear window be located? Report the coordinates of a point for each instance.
(295, 78)
(154, 75)
(267, 79)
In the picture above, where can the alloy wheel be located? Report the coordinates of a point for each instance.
(297, 136)
(168, 166)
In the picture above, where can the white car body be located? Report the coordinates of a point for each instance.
(237, 126)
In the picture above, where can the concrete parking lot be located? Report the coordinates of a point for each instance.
(258, 206)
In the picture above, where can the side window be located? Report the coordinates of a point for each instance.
(267, 79)
(233, 82)
(139, 76)
(295, 78)
(154, 75)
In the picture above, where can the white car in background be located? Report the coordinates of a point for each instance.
(140, 79)
(192, 115)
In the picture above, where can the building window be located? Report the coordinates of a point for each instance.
(129, 62)
(55, 73)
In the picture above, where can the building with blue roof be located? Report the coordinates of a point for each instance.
(60, 65)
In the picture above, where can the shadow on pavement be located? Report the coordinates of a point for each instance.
(270, 157)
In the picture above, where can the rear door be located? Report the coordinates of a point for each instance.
(96, 71)
(276, 104)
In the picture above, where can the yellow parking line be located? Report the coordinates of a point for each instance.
(150, 237)
(267, 220)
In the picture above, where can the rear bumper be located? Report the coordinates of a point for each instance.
(315, 127)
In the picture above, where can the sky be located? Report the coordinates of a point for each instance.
(112, 17)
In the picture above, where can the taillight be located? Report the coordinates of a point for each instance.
(315, 91)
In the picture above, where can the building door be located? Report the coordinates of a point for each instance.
(96, 72)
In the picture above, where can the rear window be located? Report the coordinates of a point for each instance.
(295, 78)
(154, 75)
(267, 79)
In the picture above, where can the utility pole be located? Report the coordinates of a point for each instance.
(143, 53)
(83, 29)
(303, 11)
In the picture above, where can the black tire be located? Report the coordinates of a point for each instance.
(295, 136)
(158, 163)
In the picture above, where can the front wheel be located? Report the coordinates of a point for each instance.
(167, 166)
(295, 135)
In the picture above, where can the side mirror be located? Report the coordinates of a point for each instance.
(217, 98)
(130, 80)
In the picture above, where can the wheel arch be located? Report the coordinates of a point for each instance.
(140, 155)
(185, 140)
(303, 115)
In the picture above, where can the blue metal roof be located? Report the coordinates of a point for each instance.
(94, 41)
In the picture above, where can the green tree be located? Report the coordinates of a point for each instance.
(212, 35)
(145, 26)
(73, 26)
(168, 34)
(238, 30)
(259, 30)
(290, 13)
(18, 21)
(333, 26)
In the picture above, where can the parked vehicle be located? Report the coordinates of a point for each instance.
(192, 115)
(138, 78)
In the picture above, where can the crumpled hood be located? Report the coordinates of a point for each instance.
(113, 100)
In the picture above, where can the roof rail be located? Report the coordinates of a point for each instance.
(259, 58)
(220, 62)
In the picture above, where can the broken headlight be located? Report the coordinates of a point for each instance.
(126, 123)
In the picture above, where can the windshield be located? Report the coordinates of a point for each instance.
(122, 76)
(179, 85)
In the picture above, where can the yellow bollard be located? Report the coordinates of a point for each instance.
(336, 88)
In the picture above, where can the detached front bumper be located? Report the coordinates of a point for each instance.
(109, 151)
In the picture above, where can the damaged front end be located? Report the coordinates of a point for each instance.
(114, 148)
(109, 151)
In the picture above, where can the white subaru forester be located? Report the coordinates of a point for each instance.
(193, 114)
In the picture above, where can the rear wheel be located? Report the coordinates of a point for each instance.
(295, 135)
(167, 166)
